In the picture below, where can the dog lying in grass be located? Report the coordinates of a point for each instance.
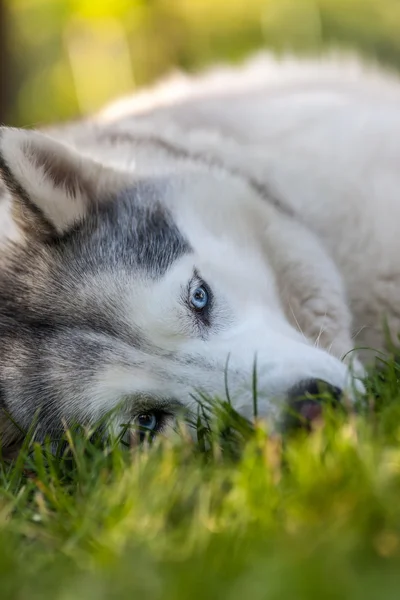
(167, 246)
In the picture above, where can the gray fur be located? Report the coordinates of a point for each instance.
(47, 323)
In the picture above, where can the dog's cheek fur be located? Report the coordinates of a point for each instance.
(53, 379)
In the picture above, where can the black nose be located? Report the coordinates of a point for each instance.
(306, 399)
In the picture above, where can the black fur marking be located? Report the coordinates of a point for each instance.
(3, 404)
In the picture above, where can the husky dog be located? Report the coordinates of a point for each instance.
(161, 247)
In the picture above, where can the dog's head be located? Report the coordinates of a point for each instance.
(138, 293)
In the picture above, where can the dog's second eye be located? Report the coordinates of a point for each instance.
(199, 298)
(147, 422)
(148, 425)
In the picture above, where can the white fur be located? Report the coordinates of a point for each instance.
(324, 135)
(298, 287)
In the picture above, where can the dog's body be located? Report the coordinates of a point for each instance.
(269, 192)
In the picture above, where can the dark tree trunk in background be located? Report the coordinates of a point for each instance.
(3, 64)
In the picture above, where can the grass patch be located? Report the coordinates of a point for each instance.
(240, 513)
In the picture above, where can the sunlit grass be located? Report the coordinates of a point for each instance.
(240, 512)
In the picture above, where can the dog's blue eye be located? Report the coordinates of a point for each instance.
(147, 421)
(199, 298)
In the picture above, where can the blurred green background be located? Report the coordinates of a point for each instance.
(64, 58)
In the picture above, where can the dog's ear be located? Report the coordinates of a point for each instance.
(51, 185)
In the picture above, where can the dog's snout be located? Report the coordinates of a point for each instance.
(306, 399)
(315, 388)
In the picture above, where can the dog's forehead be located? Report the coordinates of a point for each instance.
(214, 204)
(225, 225)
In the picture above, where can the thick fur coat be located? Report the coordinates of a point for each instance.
(272, 188)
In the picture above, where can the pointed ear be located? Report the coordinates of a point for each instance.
(51, 185)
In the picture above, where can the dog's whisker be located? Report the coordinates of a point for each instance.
(357, 333)
(321, 332)
(296, 321)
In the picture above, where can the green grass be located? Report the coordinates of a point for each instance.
(239, 514)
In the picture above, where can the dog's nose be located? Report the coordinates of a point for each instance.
(306, 399)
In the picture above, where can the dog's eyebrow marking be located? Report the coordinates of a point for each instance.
(259, 187)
